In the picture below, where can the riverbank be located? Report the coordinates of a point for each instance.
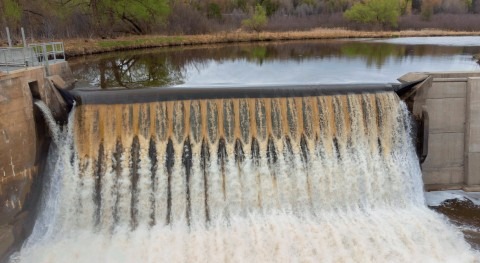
(78, 47)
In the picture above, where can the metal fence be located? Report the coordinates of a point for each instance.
(12, 58)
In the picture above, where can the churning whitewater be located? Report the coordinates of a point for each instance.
(304, 179)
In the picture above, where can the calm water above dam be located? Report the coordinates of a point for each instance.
(296, 62)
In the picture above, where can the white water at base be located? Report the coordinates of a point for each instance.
(346, 203)
(404, 235)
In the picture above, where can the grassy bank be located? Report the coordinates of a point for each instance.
(78, 47)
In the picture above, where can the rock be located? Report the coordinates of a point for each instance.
(476, 57)
(6, 239)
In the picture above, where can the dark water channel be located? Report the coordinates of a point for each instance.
(271, 63)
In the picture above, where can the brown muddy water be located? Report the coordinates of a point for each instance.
(465, 215)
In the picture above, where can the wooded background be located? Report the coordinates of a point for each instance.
(110, 18)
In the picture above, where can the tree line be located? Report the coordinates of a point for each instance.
(109, 18)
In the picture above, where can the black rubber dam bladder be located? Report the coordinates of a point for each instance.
(128, 96)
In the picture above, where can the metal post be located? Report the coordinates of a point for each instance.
(25, 61)
(5, 57)
(9, 58)
(45, 57)
(33, 57)
(8, 37)
(6, 62)
(54, 46)
(23, 38)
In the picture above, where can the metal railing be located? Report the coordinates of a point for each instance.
(46, 52)
(11, 58)
(17, 57)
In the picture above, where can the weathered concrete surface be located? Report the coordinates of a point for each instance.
(17, 131)
(63, 70)
(452, 100)
(447, 115)
(451, 88)
(472, 139)
(445, 150)
(23, 145)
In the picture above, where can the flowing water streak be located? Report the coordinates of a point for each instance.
(328, 178)
(50, 120)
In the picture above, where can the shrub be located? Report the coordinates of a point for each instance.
(258, 20)
(380, 12)
(463, 22)
(427, 9)
(186, 20)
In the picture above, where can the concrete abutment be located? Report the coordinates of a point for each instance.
(24, 142)
(451, 103)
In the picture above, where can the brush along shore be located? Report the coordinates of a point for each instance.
(78, 47)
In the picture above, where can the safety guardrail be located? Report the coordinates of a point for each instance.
(17, 57)
(11, 58)
(46, 52)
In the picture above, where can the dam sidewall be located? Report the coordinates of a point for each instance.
(24, 140)
(450, 102)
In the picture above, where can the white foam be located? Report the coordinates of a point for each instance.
(358, 198)
(50, 120)
(436, 198)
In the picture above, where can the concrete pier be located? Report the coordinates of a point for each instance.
(24, 142)
(448, 106)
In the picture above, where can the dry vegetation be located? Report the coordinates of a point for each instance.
(76, 47)
(95, 26)
(50, 19)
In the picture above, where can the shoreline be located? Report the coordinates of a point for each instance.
(83, 46)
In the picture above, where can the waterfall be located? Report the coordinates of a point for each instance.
(50, 120)
(317, 179)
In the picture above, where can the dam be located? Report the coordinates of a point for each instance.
(276, 174)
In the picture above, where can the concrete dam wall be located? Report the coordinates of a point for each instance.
(24, 143)
(448, 106)
(445, 105)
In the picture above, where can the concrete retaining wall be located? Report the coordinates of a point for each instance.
(451, 102)
(24, 141)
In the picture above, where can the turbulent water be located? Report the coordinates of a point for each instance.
(50, 120)
(312, 179)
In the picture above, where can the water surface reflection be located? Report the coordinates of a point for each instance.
(296, 62)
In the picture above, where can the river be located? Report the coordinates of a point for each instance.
(274, 63)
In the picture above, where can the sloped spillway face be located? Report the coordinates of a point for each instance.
(317, 179)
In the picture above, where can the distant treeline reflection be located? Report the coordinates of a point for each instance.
(168, 66)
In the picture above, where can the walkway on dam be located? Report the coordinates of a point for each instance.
(42, 54)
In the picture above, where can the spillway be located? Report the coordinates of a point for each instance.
(311, 178)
